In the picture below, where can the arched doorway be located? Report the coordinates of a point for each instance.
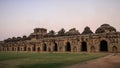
(44, 47)
(114, 49)
(15, 48)
(12, 48)
(84, 46)
(7, 49)
(29, 49)
(18, 48)
(21, 49)
(34, 47)
(103, 46)
(68, 46)
(38, 49)
(92, 49)
(25, 48)
(55, 48)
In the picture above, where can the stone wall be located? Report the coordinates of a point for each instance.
(102, 42)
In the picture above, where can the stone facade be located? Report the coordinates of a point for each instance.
(105, 39)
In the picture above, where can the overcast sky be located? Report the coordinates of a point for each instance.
(20, 17)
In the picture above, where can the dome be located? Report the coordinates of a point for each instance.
(73, 31)
(87, 31)
(105, 28)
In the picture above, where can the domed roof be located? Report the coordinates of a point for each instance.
(87, 31)
(73, 31)
(105, 28)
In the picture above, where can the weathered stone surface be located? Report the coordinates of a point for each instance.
(87, 31)
(105, 39)
(72, 31)
(105, 28)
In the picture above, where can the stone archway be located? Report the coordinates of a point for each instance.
(21, 49)
(114, 49)
(18, 48)
(34, 47)
(92, 49)
(68, 47)
(12, 48)
(29, 49)
(38, 49)
(25, 48)
(44, 47)
(103, 46)
(7, 48)
(55, 47)
(84, 46)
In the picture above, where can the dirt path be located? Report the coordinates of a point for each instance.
(111, 61)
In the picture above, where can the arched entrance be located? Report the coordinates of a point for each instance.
(114, 49)
(12, 48)
(103, 46)
(38, 49)
(44, 47)
(29, 49)
(7, 49)
(25, 48)
(21, 49)
(18, 48)
(68, 46)
(55, 48)
(84, 46)
(15, 48)
(34, 47)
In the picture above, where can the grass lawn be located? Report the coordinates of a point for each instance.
(43, 60)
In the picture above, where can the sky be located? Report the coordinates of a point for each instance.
(20, 17)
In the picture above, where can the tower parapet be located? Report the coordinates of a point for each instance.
(38, 33)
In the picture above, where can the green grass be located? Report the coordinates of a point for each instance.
(43, 60)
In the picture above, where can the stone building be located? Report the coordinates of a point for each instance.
(105, 39)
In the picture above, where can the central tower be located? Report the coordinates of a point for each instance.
(38, 33)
